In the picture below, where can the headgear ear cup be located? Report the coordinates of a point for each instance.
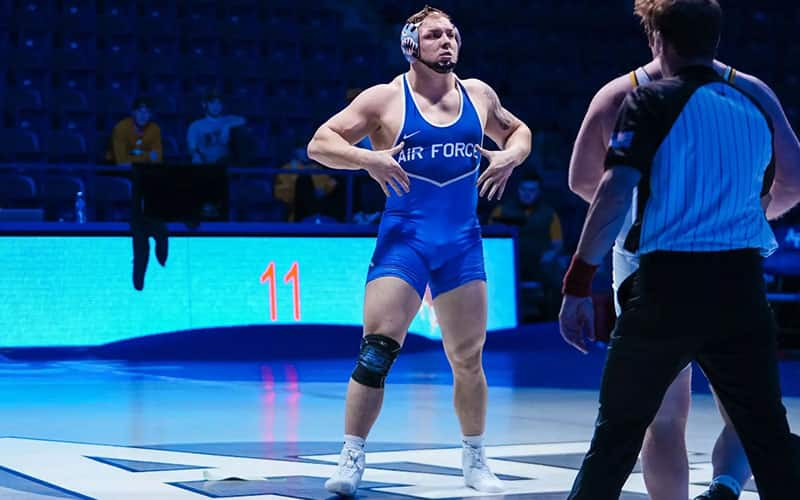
(409, 41)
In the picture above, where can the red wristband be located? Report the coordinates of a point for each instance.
(578, 279)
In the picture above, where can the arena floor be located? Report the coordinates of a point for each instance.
(116, 430)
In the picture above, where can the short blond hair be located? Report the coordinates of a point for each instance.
(692, 26)
(644, 9)
(426, 11)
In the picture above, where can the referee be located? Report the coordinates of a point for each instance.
(700, 154)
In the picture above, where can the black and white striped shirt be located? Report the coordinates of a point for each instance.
(706, 156)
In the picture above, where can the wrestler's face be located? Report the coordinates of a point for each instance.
(437, 43)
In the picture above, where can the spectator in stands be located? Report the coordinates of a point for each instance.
(136, 139)
(318, 196)
(539, 240)
(209, 138)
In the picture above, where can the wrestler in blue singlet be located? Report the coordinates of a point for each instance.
(432, 234)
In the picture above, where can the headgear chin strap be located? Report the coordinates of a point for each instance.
(409, 44)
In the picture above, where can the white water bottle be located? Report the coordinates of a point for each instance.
(80, 208)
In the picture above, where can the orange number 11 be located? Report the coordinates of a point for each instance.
(294, 276)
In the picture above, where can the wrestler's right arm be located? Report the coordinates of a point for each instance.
(589, 152)
(332, 144)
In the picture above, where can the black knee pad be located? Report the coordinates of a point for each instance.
(377, 355)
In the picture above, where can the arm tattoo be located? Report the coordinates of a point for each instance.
(503, 117)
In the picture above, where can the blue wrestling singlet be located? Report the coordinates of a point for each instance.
(431, 234)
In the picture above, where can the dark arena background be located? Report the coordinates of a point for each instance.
(217, 329)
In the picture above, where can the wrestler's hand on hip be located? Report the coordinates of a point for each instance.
(493, 180)
(382, 167)
(577, 316)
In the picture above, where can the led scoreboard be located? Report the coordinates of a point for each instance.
(76, 290)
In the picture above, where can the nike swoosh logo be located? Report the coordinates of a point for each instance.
(412, 134)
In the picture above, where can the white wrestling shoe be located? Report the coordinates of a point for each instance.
(476, 472)
(347, 476)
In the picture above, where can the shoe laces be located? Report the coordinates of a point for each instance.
(350, 463)
(478, 459)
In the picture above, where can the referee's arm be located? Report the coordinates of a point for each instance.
(607, 213)
(633, 145)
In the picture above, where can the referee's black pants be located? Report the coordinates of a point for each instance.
(711, 308)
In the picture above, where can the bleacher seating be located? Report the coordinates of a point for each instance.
(58, 193)
(19, 144)
(17, 191)
(112, 197)
(74, 66)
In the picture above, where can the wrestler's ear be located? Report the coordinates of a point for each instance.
(657, 44)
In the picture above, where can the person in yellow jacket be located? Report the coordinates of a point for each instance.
(301, 202)
(136, 139)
